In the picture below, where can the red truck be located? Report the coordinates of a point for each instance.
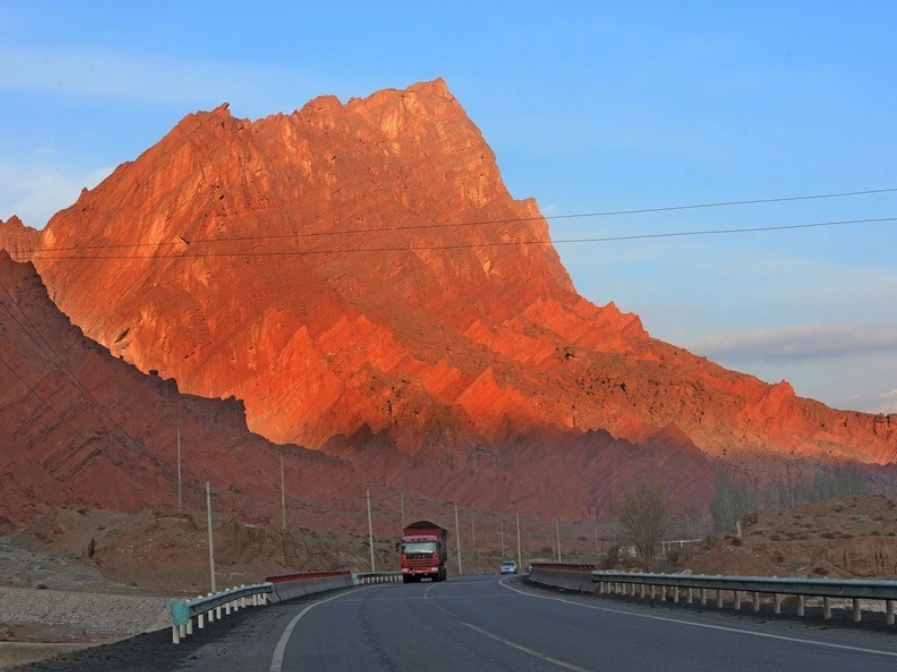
(424, 549)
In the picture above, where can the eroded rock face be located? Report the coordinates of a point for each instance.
(81, 428)
(360, 270)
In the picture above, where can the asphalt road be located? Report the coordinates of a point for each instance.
(483, 623)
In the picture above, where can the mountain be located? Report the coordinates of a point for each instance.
(360, 278)
(81, 428)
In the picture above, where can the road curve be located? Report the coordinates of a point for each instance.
(487, 624)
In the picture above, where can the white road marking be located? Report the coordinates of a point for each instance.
(277, 660)
(723, 628)
(506, 642)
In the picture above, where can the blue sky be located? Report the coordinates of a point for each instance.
(589, 107)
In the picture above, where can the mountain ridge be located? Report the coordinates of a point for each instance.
(336, 299)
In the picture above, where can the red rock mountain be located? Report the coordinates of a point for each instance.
(80, 428)
(358, 275)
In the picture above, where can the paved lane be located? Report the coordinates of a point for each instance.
(481, 624)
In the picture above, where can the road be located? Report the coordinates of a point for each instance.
(483, 623)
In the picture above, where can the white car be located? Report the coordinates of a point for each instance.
(508, 567)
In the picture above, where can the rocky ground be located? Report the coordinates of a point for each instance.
(847, 537)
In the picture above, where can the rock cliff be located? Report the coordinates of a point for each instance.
(358, 275)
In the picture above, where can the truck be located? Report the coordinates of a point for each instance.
(424, 549)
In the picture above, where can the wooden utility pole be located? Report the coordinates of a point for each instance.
(370, 531)
(473, 535)
(283, 496)
(180, 497)
(211, 542)
(458, 540)
(557, 527)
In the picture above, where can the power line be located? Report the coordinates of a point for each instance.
(59, 363)
(42, 400)
(456, 246)
(484, 222)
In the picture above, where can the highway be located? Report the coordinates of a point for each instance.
(491, 624)
(483, 624)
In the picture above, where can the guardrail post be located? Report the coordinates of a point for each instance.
(826, 608)
(889, 607)
(719, 599)
(777, 603)
(676, 595)
(737, 600)
(190, 627)
(175, 634)
(663, 593)
(653, 593)
(756, 601)
(201, 621)
(690, 595)
(800, 605)
(217, 613)
(182, 630)
(642, 590)
(703, 597)
(857, 614)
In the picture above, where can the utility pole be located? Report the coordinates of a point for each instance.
(283, 496)
(519, 556)
(557, 527)
(370, 531)
(458, 540)
(595, 523)
(473, 535)
(180, 498)
(402, 494)
(501, 533)
(211, 543)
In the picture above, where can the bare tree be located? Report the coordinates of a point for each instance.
(644, 514)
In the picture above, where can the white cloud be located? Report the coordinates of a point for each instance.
(36, 193)
(887, 402)
(802, 342)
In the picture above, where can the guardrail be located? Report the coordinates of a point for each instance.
(184, 611)
(852, 589)
(560, 575)
(291, 586)
(273, 588)
(376, 577)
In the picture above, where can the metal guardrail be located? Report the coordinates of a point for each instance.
(561, 575)
(291, 586)
(208, 609)
(214, 606)
(376, 577)
(853, 589)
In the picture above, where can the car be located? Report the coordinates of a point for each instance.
(508, 567)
